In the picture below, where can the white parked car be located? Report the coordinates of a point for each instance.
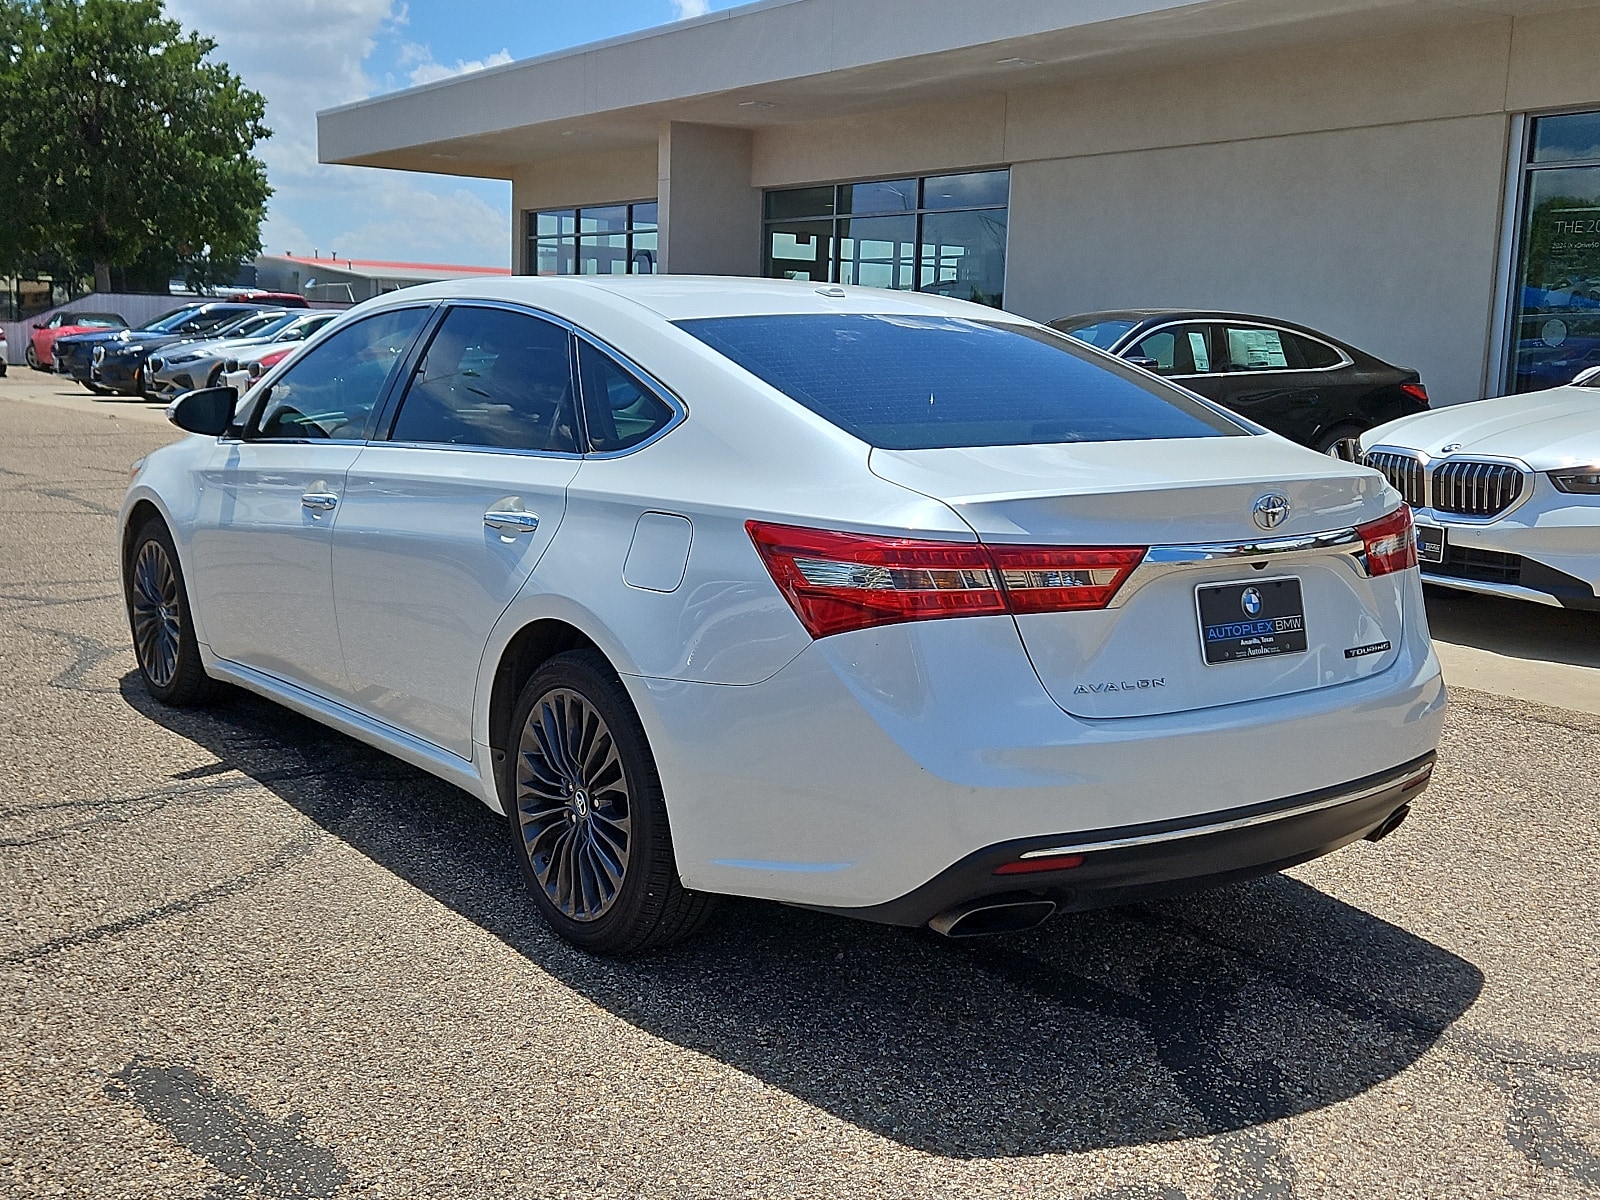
(880, 603)
(5, 352)
(1506, 492)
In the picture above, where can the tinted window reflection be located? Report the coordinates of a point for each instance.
(1566, 138)
(966, 191)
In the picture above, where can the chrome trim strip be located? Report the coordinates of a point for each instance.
(1172, 835)
(1133, 337)
(1510, 591)
(1160, 561)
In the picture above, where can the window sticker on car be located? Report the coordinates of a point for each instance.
(1256, 349)
(1197, 349)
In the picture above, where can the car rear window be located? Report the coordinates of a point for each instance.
(924, 383)
(1104, 334)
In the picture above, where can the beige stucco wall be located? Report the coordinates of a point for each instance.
(1356, 185)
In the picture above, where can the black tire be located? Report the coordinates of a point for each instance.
(30, 357)
(570, 849)
(159, 620)
(1329, 442)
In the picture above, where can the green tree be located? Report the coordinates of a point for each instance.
(123, 146)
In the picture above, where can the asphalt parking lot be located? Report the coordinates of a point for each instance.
(242, 955)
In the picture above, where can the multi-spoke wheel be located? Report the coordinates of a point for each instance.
(587, 816)
(158, 613)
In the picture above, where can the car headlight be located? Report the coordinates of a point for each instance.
(155, 364)
(1580, 481)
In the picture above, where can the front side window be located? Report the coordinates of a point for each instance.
(915, 383)
(495, 379)
(618, 410)
(1176, 350)
(331, 391)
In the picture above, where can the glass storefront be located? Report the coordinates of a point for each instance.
(1555, 301)
(944, 234)
(613, 239)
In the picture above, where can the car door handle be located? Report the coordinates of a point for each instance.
(511, 522)
(319, 501)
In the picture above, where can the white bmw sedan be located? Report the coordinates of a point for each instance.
(877, 603)
(1506, 492)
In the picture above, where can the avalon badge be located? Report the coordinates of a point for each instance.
(1270, 510)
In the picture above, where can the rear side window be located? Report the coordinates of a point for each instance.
(923, 383)
(619, 411)
(1313, 355)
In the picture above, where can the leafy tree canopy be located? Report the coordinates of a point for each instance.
(123, 146)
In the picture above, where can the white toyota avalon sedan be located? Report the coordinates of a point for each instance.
(873, 602)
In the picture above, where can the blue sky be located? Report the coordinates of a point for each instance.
(306, 55)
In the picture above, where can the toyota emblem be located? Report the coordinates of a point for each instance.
(1270, 510)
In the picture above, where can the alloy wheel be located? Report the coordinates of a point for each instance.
(573, 805)
(157, 613)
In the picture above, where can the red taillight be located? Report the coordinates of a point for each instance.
(1417, 392)
(261, 365)
(842, 581)
(1056, 579)
(1027, 866)
(1391, 542)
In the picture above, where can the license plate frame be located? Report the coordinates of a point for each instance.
(1432, 541)
(1230, 633)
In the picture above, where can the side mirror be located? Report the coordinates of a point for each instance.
(1148, 364)
(204, 410)
(38, 324)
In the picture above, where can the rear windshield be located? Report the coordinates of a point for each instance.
(926, 383)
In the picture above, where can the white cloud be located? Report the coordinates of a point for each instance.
(691, 8)
(306, 55)
(428, 71)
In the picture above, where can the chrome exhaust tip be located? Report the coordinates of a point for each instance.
(984, 918)
(1389, 824)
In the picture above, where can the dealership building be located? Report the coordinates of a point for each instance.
(1418, 177)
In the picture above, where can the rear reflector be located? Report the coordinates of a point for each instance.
(1026, 866)
(1391, 542)
(842, 581)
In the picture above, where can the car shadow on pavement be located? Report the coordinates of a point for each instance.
(1515, 628)
(1199, 1015)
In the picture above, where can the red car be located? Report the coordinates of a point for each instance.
(39, 352)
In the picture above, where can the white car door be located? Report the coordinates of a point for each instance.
(442, 522)
(261, 554)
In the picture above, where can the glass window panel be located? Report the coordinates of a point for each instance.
(643, 259)
(331, 391)
(963, 255)
(1312, 354)
(495, 379)
(1565, 138)
(966, 191)
(1103, 333)
(912, 383)
(800, 250)
(644, 215)
(1556, 311)
(553, 256)
(618, 410)
(884, 196)
(549, 224)
(800, 202)
(878, 252)
(606, 254)
(611, 219)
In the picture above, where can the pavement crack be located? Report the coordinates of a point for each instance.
(302, 845)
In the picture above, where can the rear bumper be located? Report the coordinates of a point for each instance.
(1138, 862)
